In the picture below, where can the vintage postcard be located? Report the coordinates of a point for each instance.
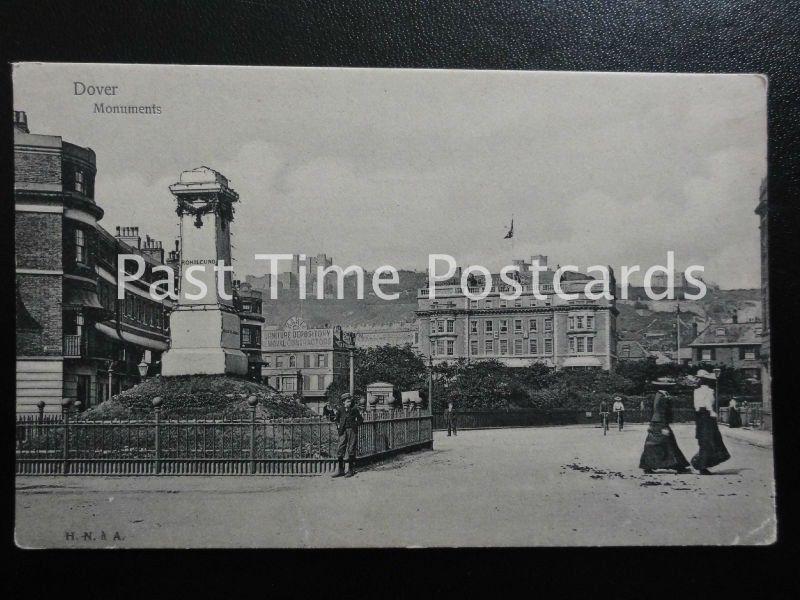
(326, 307)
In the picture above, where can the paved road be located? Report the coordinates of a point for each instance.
(512, 487)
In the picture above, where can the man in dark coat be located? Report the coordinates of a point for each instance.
(347, 420)
(661, 450)
(450, 419)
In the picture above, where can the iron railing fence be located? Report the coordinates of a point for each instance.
(752, 415)
(543, 418)
(70, 445)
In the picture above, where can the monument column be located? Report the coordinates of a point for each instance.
(204, 328)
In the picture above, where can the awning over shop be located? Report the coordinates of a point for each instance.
(582, 361)
(82, 297)
(131, 338)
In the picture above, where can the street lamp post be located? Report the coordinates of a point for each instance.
(143, 366)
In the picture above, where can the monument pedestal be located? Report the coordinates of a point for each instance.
(205, 341)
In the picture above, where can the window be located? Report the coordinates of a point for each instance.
(450, 347)
(517, 325)
(473, 346)
(279, 361)
(488, 303)
(503, 304)
(441, 327)
(534, 346)
(518, 303)
(433, 347)
(503, 325)
(489, 346)
(626, 351)
(80, 246)
(518, 347)
(246, 307)
(589, 322)
(450, 325)
(580, 344)
(306, 361)
(590, 344)
(533, 325)
(748, 353)
(708, 354)
(580, 322)
(267, 360)
(80, 184)
(439, 347)
(548, 346)
(322, 360)
(572, 322)
(292, 360)
(473, 304)
(548, 324)
(473, 327)
(503, 346)
(720, 331)
(488, 326)
(572, 344)
(245, 336)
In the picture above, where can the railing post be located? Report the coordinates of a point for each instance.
(252, 401)
(65, 405)
(157, 408)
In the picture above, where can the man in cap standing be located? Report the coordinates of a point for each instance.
(347, 420)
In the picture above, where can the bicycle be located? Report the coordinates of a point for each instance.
(604, 415)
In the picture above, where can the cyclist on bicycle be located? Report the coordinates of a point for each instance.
(603, 413)
(619, 410)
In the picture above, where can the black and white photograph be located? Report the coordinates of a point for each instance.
(457, 308)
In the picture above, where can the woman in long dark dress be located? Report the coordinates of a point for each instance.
(661, 450)
(712, 450)
(734, 418)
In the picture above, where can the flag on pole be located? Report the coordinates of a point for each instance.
(510, 233)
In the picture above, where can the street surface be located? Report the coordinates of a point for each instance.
(554, 486)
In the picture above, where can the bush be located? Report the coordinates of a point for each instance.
(198, 396)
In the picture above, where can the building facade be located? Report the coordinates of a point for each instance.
(736, 345)
(298, 359)
(74, 338)
(578, 333)
(249, 303)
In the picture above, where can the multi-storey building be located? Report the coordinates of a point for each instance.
(303, 360)
(560, 333)
(74, 338)
(736, 345)
(248, 302)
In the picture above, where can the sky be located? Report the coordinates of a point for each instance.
(382, 166)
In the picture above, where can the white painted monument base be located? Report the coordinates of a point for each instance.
(205, 341)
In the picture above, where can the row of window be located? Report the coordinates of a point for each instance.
(579, 344)
(581, 322)
(518, 303)
(141, 310)
(745, 353)
(79, 180)
(310, 382)
(519, 347)
(251, 335)
(290, 360)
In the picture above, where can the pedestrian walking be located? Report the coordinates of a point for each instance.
(450, 419)
(661, 450)
(734, 416)
(347, 419)
(712, 450)
(619, 411)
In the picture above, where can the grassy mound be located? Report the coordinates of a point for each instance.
(198, 397)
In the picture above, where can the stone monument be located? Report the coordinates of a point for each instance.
(204, 328)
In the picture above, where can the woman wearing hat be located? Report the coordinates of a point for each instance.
(712, 450)
(661, 450)
(734, 417)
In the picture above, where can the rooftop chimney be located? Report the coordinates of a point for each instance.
(21, 121)
(130, 236)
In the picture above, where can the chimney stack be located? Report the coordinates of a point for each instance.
(130, 236)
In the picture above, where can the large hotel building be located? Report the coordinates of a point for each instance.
(562, 334)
